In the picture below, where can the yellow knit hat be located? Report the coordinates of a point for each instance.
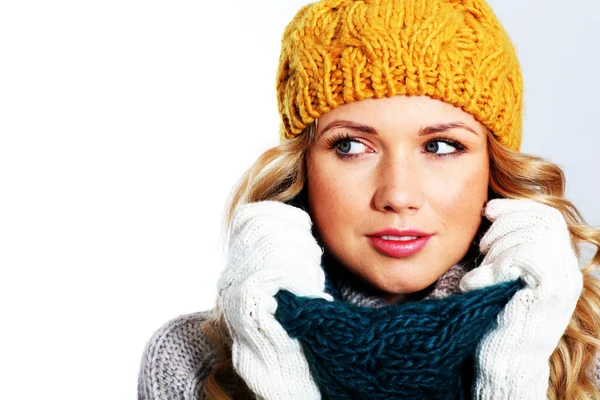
(335, 52)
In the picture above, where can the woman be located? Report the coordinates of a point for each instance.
(399, 176)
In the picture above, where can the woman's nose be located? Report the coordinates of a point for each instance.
(399, 186)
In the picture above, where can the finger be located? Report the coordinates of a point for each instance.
(496, 245)
(269, 282)
(497, 207)
(274, 210)
(540, 265)
(274, 236)
(506, 225)
(270, 225)
(488, 275)
(476, 279)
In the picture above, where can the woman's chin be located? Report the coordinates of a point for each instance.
(399, 287)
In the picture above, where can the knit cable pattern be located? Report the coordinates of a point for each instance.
(407, 350)
(335, 52)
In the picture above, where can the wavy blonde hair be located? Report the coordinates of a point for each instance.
(280, 173)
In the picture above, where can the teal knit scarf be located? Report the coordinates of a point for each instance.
(413, 350)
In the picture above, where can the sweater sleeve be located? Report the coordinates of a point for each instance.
(176, 360)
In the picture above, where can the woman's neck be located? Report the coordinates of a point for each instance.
(356, 290)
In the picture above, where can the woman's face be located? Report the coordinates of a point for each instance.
(403, 163)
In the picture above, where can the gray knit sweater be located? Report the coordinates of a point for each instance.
(178, 357)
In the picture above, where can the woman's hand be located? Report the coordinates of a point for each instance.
(271, 247)
(528, 240)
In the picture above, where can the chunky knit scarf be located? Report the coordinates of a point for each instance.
(421, 348)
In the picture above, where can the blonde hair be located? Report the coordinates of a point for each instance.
(280, 174)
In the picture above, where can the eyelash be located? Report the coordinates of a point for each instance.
(335, 140)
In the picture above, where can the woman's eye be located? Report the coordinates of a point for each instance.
(346, 145)
(439, 147)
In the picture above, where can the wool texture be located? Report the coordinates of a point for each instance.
(334, 52)
(415, 349)
(179, 356)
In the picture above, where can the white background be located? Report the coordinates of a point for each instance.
(125, 124)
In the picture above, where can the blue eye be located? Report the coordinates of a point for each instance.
(343, 144)
(346, 145)
(440, 147)
(443, 147)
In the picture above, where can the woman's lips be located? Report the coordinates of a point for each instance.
(399, 248)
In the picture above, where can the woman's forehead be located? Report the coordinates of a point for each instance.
(409, 112)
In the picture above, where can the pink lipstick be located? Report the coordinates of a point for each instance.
(399, 243)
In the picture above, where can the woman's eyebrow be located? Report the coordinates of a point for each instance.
(349, 125)
(427, 130)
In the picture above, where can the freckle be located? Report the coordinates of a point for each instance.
(250, 313)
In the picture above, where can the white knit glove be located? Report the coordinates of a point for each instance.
(529, 240)
(271, 247)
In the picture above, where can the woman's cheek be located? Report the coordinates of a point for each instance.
(460, 194)
(338, 198)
